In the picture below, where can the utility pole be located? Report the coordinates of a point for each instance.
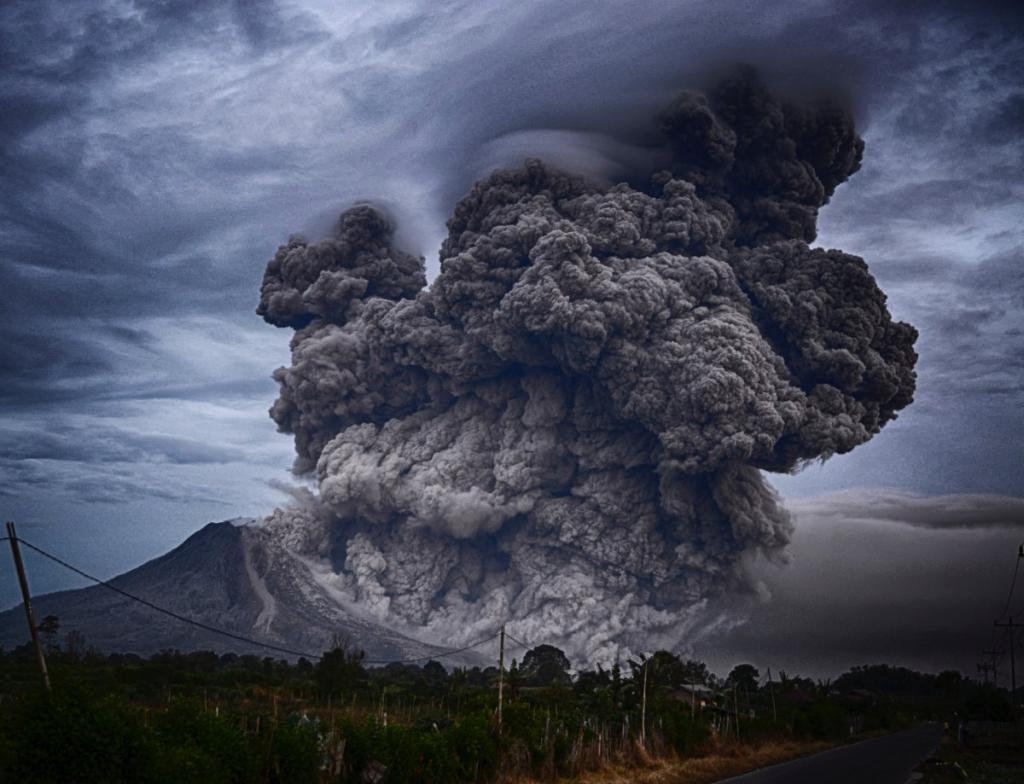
(643, 708)
(736, 710)
(23, 582)
(993, 667)
(984, 668)
(501, 674)
(771, 690)
(1013, 665)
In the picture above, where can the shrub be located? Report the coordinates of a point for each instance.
(296, 754)
(194, 746)
(98, 738)
(681, 732)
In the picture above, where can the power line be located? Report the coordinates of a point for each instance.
(476, 644)
(517, 642)
(1009, 602)
(164, 610)
(1013, 584)
(232, 635)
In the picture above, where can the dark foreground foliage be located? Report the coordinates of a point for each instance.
(201, 717)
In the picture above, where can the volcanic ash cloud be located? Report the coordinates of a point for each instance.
(566, 430)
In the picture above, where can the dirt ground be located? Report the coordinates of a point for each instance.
(723, 763)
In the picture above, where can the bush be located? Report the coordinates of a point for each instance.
(820, 721)
(77, 736)
(74, 730)
(466, 751)
(988, 705)
(296, 753)
(193, 746)
(681, 732)
(476, 747)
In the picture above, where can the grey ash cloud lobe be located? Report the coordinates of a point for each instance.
(567, 428)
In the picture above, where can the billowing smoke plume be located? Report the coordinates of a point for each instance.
(566, 430)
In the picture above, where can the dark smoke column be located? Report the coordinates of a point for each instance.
(566, 430)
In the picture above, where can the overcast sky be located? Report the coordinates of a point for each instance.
(154, 154)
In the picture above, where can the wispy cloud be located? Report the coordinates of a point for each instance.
(953, 511)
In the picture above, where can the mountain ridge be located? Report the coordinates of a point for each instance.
(228, 575)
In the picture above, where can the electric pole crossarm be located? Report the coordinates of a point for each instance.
(984, 668)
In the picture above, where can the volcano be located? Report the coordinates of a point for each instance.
(229, 576)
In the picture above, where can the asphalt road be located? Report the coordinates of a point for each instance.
(886, 760)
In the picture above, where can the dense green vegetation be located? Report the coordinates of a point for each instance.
(200, 717)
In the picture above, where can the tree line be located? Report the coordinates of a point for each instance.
(208, 717)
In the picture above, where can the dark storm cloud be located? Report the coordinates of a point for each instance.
(82, 244)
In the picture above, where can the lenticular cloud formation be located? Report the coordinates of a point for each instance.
(566, 430)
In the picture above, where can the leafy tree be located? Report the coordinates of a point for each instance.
(666, 670)
(514, 679)
(434, 672)
(545, 665)
(694, 671)
(744, 677)
(886, 679)
(949, 681)
(340, 668)
(988, 704)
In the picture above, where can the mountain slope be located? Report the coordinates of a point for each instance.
(228, 576)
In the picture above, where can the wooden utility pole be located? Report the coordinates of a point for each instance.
(771, 690)
(12, 535)
(736, 710)
(643, 708)
(501, 674)
(1013, 665)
